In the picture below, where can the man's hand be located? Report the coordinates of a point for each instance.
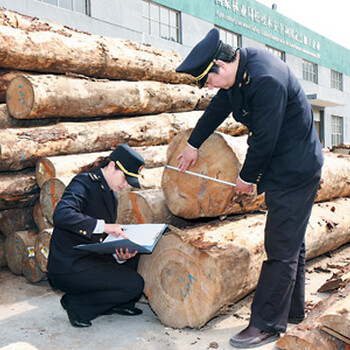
(242, 187)
(115, 230)
(188, 157)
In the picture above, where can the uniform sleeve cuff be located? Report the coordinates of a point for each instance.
(192, 146)
(245, 182)
(100, 227)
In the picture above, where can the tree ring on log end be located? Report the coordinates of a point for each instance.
(20, 97)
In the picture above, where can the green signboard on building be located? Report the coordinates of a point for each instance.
(254, 20)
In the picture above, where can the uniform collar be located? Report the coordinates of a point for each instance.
(241, 75)
(103, 182)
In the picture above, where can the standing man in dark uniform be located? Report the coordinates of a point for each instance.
(95, 284)
(284, 160)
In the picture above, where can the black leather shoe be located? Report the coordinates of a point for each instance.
(64, 301)
(252, 337)
(74, 319)
(296, 320)
(130, 311)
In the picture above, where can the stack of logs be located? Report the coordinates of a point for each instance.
(71, 97)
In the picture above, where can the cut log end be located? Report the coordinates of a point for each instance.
(189, 196)
(44, 171)
(50, 195)
(20, 97)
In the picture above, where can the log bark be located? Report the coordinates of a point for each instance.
(21, 148)
(42, 248)
(308, 334)
(335, 181)
(39, 218)
(18, 190)
(15, 246)
(145, 207)
(16, 219)
(221, 156)
(193, 274)
(48, 167)
(336, 320)
(91, 55)
(3, 262)
(52, 96)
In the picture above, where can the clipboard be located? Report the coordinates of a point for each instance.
(142, 237)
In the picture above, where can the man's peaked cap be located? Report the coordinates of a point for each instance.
(202, 57)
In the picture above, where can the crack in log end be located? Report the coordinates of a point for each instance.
(202, 190)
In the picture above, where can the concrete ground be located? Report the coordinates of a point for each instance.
(31, 318)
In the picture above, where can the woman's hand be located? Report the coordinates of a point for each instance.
(188, 157)
(115, 230)
(125, 256)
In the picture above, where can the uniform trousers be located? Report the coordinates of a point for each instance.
(281, 288)
(93, 291)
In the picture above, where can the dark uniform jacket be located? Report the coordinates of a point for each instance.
(86, 199)
(284, 148)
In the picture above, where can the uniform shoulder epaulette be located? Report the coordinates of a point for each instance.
(94, 177)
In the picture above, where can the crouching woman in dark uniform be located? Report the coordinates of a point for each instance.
(95, 284)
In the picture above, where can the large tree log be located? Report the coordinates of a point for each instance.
(17, 190)
(48, 167)
(91, 55)
(143, 207)
(308, 334)
(20, 148)
(50, 194)
(51, 96)
(16, 244)
(30, 266)
(39, 218)
(42, 248)
(336, 320)
(195, 273)
(6, 121)
(16, 219)
(221, 156)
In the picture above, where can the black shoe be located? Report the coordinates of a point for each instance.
(64, 301)
(130, 311)
(252, 337)
(74, 319)
(296, 320)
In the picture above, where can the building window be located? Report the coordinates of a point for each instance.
(161, 21)
(278, 53)
(81, 6)
(337, 130)
(310, 71)
(230, 38)
(336, 80)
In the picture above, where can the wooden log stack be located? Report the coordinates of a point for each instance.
(71, 97)
(68, 97)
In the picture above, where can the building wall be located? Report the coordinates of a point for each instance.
(115, 19)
